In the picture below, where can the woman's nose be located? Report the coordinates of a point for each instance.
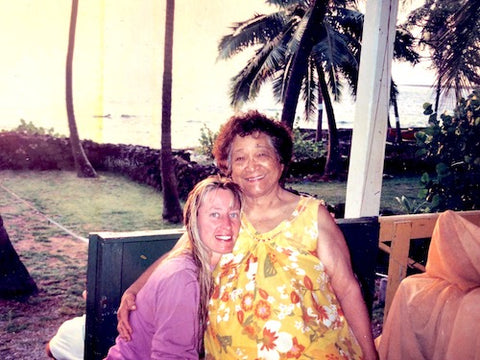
(251, 162)
(226, 222)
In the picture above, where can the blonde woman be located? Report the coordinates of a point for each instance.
(171, 309)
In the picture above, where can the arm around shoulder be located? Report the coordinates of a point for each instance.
(127, 302)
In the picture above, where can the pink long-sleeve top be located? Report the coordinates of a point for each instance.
(165, 324)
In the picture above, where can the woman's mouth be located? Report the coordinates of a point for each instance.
(255, 178)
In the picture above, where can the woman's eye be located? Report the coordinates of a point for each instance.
(263, 154)
(214, 214)
(239, 158)
(234, 215)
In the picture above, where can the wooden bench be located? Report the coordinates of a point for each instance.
(396, 234)
(115, 260)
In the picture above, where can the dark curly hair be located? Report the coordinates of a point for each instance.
(248, 123)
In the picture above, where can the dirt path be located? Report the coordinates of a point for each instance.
(57, 262)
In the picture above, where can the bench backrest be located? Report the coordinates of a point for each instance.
(115, 260)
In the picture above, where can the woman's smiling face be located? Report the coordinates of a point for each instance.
(255, 164)
(219, 222)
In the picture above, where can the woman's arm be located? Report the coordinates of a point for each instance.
(334, 254)
(127, 302)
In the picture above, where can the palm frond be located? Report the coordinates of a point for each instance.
(277, 84)
(256, 31)
(393, 92)
(309, 91)
(404, 46)
(335, 53)
(452, 32)
(460, 65)
(333, 82)
(288, 3)
(280, 80)
(347, 21)
(296, 37)
(260, 68)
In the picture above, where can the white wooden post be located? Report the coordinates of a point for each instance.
(364, 183)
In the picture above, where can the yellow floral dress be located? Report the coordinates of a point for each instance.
(273, 300)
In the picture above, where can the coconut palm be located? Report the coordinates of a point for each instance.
(279, 38)
(82, 165)
(312, 33)
(460, 67)
(172, 210)
(450, 29)
(333, 53)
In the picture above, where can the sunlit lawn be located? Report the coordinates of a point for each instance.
(107, 203)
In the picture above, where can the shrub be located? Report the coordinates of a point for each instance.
(453, 145)
(31, 129)
(207, 139)
(305, 149)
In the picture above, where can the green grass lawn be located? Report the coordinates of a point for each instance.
(107, 203)
(114, 203)
(334, 192)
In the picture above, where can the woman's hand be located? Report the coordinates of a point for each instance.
(127, 304)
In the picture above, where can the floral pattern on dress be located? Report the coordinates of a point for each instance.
(272, 298)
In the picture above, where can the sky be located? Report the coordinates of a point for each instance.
(119, 57)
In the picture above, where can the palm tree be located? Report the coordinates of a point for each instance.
(82, 165)
(460, 67)
(402, 50)
(172, 211)
(310, 37)
(451, 29)
(332, 47)
(280, 36)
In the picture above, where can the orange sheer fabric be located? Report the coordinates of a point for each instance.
(436, 315)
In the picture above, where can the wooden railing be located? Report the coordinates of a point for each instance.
(396, 234)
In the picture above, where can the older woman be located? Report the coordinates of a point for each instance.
(172, 306)
(288, 289)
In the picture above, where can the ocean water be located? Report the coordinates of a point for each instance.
(139, 123)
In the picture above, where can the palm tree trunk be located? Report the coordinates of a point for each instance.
(319, 133)
(15, 281)
(398, 136)
(333, 163)
(82, 165)
(172, 211)
(309, 38)
(437, 95)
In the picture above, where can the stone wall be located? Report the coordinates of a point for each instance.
(139, 163)
(142, 164)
